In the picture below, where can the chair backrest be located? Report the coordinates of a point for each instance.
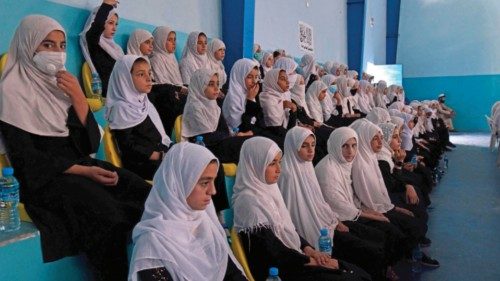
(3, 62)
(239, 253)
(110, 148)
(87, 79)
(178, 129)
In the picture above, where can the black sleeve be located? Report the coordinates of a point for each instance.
(85, 137)
(312, 78)
(339, 110)
(292, 120)
(304, 243)
(34, 167)
(154, 274)
(215, 137)
(391, 183)
(277, 252)
(233, 273)
(135, 149)
(93, 35)
(252, 110)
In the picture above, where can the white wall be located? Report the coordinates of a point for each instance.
(181, 15)
(449, 38)
(375, 33)
(276, 26)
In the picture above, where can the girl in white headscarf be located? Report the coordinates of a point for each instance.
(96, 40)
(334, 178)
(347, 110)
(240, 107)
(370, 188)
(315, 96)
(308, 65)
(194, 55)
(380, 94)
(310, 213)
(364, 96)
(50, 132)
(216, 53)
(290, 67)
(140, 43)
(266, 64)
(179, 237)
(264, 223)
(133, 119)
(378, 115)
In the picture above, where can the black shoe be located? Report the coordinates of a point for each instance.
(451, 144)
(428, 261)
(425, 242)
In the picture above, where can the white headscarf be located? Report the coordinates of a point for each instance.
(190, 244)
(328, 103)
(215, 64)
(191, 60)
(334, 177)
(298, 94)
(308, 66)
(289, 65)
(201, 115)
(235, 100)
(406, 134)
(107, 44)
(163, 63)
(271, 101)
(135, 40)
(367, 179)
(378, 115)
(379, 94)
(398, 121)
(301, 192)
(29, 98)
(313, 102)
(125, 106)
(344, 90)
(364, 97)
(397, 105)
(386, 153)
(265, 57)
(258, 204)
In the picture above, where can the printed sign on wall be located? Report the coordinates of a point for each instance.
(306, 42)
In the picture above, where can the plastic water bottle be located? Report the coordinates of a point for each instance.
(9, 199)
(416, 257)
(273, 274)
(325, 242)
(199, 140)
(96, 86)
(235, 131)
(445, 160)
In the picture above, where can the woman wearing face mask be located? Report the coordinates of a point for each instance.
(265, 227)
(241, 107)
(359, 244)
(133, 119)
(168, 94)
(78, 203)
(179, 236)
(96, 40)
(194, 55)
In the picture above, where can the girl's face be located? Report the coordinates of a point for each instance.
(306, 151)
(251, 78)
(411, 124)
(146, 47)
(204, 189)
(201, 44)
(212, 90)
(220, 54)
(273, 170)
(269, 62)
(395, 142)
(349, 149)
(283, 81)
(54, 42)
(376, 142)
(171, 42)
(110, 26)
(322, 95)
(141, 76)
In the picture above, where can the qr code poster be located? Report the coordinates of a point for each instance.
(306, 42)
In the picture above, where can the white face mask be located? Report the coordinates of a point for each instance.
(50, 62)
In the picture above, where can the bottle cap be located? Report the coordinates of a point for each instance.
(7, 171)
(273, 271)
(236, 130)
(324, 232)
(199, 138)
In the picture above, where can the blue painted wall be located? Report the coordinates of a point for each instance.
(276, 26)
(452, 46)
(374, 33)
(355, 28)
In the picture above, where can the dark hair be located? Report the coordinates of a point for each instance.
(202, 34)
(276, 54)
(137, 61)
